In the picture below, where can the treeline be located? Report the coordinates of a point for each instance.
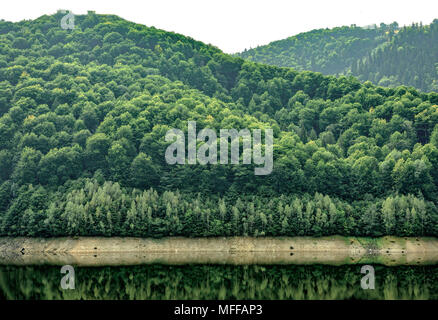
(109, 210)
(98, 100)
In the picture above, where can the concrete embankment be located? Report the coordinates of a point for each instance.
(334, 250)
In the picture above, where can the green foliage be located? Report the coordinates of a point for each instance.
(88, 207)
(98, 100)
(329, 51)
(387, 55)
(410, 58)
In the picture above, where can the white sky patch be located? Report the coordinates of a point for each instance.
(234, 25)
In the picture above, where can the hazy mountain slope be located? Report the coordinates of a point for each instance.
(410, 58)
(386, 55)
(329, 51)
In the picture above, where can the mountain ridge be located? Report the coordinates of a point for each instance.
(367, 53)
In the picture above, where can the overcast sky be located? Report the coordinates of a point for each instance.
(234, 25)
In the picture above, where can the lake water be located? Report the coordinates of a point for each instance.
(219, 268)
(219, 281)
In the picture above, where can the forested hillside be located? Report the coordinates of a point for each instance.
(387, 55)
(83, 118)
(330, 51)
(410, 58)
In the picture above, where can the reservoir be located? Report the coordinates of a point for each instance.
(219, 268)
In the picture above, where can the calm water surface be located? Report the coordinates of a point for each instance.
(195, 281)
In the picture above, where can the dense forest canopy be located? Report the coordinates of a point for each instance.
(83, 118)
(386, 55)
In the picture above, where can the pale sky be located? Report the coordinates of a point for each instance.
(233, 25)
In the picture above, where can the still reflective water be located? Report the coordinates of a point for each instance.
(214, 281)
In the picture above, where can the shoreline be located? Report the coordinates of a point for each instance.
(335, 250)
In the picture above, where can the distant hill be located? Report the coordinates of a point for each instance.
(409, 58)
(386, 55)
(329, 51)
